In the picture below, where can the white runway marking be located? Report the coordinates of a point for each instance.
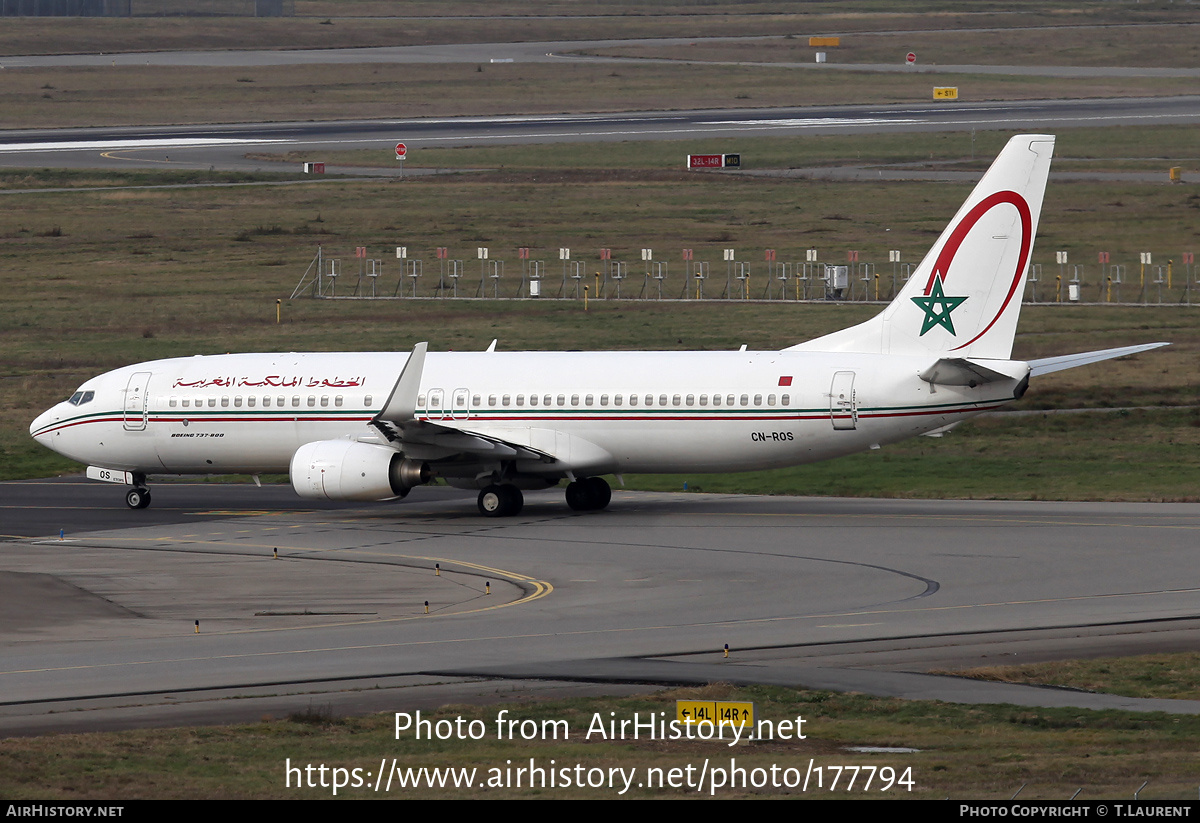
(814, 121)
(141, 143)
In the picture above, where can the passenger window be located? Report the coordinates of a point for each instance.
(574, 400)
(171, 402)
(212, 402)
(787, 399)
(662, 400)
(562, 400)
(589, 400)
(295, 401)
(324, 400)
(633, 399)
(280, 402)
(704, 400)
(546, 400)
(520, 400)
(533, 398)
(224, 402)
(770, 400)
(617, 399)
(649, 400)
(758, 399)
(251, 400)
(367, 401)
(729, 400)
(745, 400)
(716, 399)
(691, 400)
(312, 400)
(476, 401)
(604, 400)
(266, 401)
(337, 401)
(507, 399)
(186, 403)
(237, 401)
(491, 400)
(676, 400)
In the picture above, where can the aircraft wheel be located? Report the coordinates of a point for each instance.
(500, 501)
(491, 501)
(601, 492)
(577, 497)
(137, 498)
(515, 501)
(588, 494)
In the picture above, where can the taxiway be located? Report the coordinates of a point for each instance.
(865, 595)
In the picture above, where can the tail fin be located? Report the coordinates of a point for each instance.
(965, 296)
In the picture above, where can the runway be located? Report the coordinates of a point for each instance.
(821, 592)
(226, 146)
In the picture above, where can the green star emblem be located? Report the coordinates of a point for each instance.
(937, 307)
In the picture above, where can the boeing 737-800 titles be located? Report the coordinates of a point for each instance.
(372, 426)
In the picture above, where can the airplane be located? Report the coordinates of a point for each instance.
(373, 426)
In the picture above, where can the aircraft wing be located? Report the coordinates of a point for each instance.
(426, 440)
(1046, 365)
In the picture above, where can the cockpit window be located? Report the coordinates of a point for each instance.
(81, 397)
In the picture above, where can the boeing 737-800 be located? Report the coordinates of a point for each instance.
(372, 426)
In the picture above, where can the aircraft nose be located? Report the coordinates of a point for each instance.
(41, 422)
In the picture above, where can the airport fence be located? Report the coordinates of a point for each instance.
(440, 274)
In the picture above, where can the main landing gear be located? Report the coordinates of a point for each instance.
(137, 498)
(588, 494)
(500, 501)
(505, 500)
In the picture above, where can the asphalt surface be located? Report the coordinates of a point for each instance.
(225, 146)
(551, 51)
(865, 595)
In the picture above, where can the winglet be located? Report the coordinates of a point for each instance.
(401, 405)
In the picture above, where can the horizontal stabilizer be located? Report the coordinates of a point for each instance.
(959, 371)
(1046, 365)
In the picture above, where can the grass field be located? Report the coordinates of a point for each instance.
(354, 24)
(961, 752)
(1170, 45)
(1166, 676)
(131, 95)
(102, 278)
(1096, 33)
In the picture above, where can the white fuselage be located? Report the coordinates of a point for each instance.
(594, 412)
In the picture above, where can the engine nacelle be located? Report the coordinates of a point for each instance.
(346, 470)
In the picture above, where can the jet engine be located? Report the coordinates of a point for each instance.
(348, 470)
